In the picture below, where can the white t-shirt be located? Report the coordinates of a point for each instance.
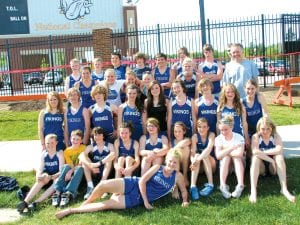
(237, 139)
(114, 92)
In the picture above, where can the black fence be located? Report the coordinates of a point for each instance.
(272, 42)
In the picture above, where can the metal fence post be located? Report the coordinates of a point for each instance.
(9, 67)
(263, 47)
(51, 60)
(208, 31)
(158, 38)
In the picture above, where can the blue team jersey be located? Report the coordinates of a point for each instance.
(51, 165)
(53, 124)
(183, 113)
(103, 119)
(263, 146)
(238, 127)
(98, 154)
(190, 85)
(120, 72)
(135, 116)
(85, 93)
(97, 77)
(75, 121)
(139, 72)
(208, 112)
(123, 151)
(158, 144)
(253, 114)
(163, 78)
(72, 81)
(213, 69)
(159, 185)
(200, 145)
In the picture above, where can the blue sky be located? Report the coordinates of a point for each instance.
(152, 12)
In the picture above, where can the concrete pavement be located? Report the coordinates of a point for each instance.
(25, 155)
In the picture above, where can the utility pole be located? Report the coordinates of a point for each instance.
(202, 22)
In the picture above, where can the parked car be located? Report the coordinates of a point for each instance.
(58, 78)
(35, 78)
(278, 68)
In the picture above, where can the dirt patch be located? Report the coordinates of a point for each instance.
(22, 106)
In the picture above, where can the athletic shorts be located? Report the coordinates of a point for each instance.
(132, 192)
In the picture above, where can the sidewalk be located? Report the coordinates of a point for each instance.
(25, 155)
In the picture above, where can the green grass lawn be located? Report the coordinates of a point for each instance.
(271, 208)
(18, 125)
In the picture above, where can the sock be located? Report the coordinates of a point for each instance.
(90, 184)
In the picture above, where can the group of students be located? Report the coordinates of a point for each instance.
(132, 120)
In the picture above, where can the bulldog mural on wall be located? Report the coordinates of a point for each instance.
(75, 9)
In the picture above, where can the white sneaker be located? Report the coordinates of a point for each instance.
(225, 191)
(238, 191)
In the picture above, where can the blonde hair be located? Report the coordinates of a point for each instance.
(73, 90)
(75, 61)
(175, 152)
(227, 120)
(154, 122)
(238, 105)
(205, 81)
(55, 94)
(99, 89)
(265, 120)
(50, 136)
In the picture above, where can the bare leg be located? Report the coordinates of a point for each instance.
(114, 186)
(106, 170)
(185, 164)
(194, 174)
(239, 170)
(145, 165)
(224, 168)
(87, 173)
(121, 163)
(118, 202)
(208, 169)
(129, 161)
(254, 173)
(281, 171)
(46, 194)
(35, 189)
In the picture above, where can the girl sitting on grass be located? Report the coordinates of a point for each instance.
(267, 154)
(51, 164)
(202, 146)
(153, 146)
(229, 147)
(127, 152)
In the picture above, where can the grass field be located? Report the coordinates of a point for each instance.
(271, 208)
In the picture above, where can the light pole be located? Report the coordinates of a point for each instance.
(202, 22)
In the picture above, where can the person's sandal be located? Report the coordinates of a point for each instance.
(22, 206)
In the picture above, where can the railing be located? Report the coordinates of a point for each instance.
(266, 39)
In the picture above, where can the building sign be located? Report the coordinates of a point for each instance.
(75, 9)
(14, 17)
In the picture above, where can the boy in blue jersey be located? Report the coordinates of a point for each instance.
(116, 62)
(50, 166)
(74, 76)
(97, 160)
(133, 191)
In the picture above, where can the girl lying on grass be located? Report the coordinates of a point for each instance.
(129, 192)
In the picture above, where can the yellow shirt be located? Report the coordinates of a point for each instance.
(71, 155)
